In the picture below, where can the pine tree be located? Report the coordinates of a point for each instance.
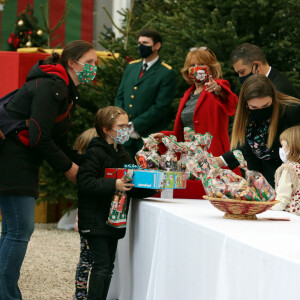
(220, 25)
(27, 33)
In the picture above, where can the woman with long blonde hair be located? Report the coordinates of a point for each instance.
(262, 115)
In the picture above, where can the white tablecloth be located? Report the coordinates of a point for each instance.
(185, 250)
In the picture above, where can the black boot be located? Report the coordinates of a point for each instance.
(97, 286)
(106, 287)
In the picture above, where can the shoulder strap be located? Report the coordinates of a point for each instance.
(64, 115)
(8, 96)
(135, 61)
(166, 65)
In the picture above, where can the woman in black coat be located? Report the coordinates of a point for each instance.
(262, 115)
(46, 101)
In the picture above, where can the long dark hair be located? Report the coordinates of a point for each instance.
(258, 86)
(73, 50)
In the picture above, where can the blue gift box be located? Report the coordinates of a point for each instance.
(159, 179)
(152, 179)
(147, 179)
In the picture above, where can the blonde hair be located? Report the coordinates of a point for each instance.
(82, 141)
(258, 86)
(206, 57)
(106, 117)
(292, 137)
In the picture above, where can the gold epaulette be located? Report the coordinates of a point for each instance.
(135, 61)
(166, 65)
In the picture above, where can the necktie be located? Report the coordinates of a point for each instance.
(145, 66)
(144, 69)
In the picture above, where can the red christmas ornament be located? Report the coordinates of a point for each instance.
(128, 59)
(13, 40)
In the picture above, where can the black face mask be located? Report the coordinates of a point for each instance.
(262, 114)
(144, 51)
(243, 78)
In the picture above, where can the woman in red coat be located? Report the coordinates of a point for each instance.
(204, 107)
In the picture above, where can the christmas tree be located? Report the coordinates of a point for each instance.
(220, 25)
(27, 33)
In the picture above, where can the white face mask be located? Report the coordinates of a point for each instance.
(283, 155)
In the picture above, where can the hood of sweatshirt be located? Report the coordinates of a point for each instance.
(108, 148)
(40, 70)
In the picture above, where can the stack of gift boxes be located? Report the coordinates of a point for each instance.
(169, 170)
(190, 159)
(151, 179)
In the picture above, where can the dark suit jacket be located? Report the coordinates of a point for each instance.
(283, 85)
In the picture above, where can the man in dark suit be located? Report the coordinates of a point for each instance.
(248, 59)
(146, 90)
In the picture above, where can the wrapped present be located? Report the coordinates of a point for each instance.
(256, 180)
(118, 210)
(188, 134)
(192, 156)
(150, 179)
(114, 173)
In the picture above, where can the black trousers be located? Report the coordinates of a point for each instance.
(104, 252)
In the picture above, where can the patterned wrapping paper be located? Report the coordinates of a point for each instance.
(256, 180)
(192, 156)
(118, 209)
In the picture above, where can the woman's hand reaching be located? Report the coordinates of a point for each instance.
(72, 172)
(158, 136)
(212, 86)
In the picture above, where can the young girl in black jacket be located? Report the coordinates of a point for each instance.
(96, 192)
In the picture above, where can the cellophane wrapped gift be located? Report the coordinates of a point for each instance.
(256, 180)
(119, 206)
(192, 156)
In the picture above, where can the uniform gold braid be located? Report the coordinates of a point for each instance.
(166, 65)
(135, 61)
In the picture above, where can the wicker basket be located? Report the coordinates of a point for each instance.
(240, 209)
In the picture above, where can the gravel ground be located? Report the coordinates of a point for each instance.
(48, 270)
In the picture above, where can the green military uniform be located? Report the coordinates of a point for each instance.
(147, 99)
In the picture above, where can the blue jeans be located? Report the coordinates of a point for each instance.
(17, 227)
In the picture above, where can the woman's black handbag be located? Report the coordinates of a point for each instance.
(7, 123)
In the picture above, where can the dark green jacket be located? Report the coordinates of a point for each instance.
(147, 99)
